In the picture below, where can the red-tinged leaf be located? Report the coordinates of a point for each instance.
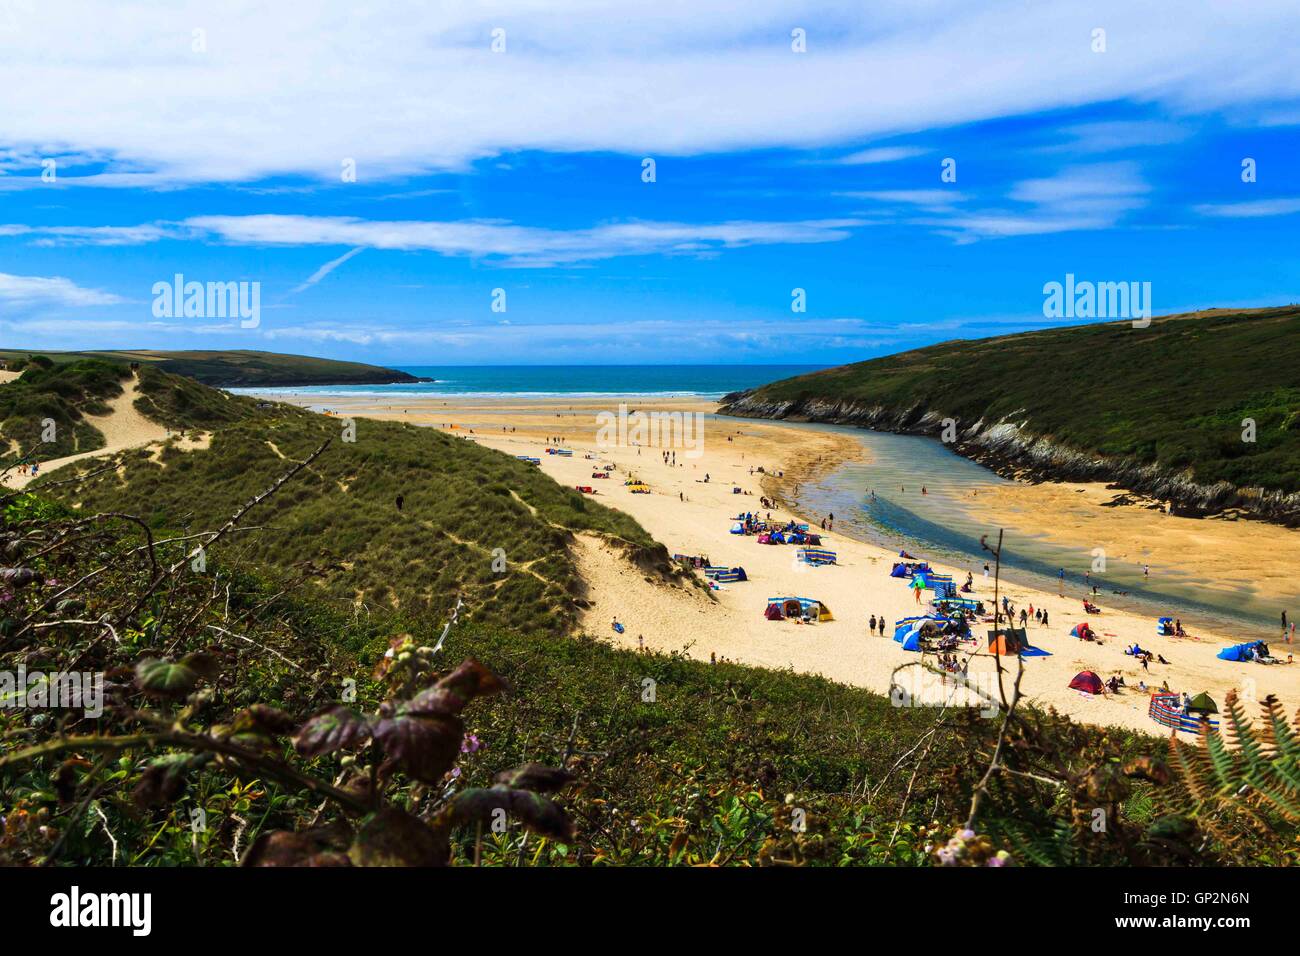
(322, 846)
(338, 728)
(20, 577)
(393, 837)
(535, 777)
(537, 813)
(425, 747)
(452, 692)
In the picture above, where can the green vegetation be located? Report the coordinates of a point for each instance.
(463, 508)
(51, 401)
(223, 695)
(1173, 394)
(238, 368)
(290, 672)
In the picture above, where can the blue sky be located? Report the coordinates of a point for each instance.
(209, 140)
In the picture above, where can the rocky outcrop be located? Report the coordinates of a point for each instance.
(1010, 448)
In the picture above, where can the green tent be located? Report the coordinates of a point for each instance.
(1202, 703)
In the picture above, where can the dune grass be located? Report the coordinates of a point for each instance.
(473, 521)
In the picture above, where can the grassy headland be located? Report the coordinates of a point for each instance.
(237, 368)
(1160, 409)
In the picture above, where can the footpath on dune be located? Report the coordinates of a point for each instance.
(123, 427)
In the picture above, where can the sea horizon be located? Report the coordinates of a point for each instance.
(568, 381)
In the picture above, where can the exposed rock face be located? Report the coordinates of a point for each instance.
(1009, 448)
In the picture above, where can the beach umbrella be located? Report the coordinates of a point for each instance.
(1204, 704)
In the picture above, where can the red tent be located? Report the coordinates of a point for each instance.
(1087, 681)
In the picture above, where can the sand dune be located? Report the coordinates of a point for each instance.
(123, 427)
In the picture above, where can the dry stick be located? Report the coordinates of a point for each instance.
(981, 789)
(228, 526)
(269, 650)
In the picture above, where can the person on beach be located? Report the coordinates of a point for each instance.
(986, 572)
(871, 625)
(1044, 617)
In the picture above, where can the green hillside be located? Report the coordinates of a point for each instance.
(339, 526)
(237, 368)
(1172, 395)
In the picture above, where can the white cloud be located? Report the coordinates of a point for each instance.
(325, 270)
(402, 88)
(1252, 209)
(1077, 198)
(517, 245)
(926, 198)
(29, 291)
(882, 154)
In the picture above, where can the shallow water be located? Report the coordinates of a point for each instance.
(946, 524)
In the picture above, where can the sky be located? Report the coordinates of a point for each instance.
(623, 182)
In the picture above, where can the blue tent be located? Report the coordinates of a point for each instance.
(1238, 652)
(912, 641)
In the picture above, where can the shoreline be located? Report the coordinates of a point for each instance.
(1035, 459)
(691, 516)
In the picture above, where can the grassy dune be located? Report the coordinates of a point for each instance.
(339, 524)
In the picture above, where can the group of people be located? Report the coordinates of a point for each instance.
(24, 469)
(1145, 656)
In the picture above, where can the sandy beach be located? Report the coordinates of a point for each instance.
(691, 516)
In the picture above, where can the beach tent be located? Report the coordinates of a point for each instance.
(1203, 703)
(900, 570)
(1008, 641)
(815, 556)
(787, 607)
(1087, 681)
(1012, 642)
(737, 528)
(1238, 652)
(1165, 626)
(1082, 631)
(912, 641)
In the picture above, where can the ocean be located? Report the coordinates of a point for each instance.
(593, 381)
